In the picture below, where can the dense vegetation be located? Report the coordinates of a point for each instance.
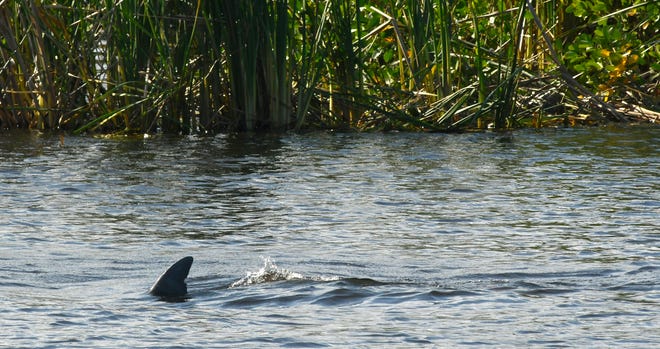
(185, 66)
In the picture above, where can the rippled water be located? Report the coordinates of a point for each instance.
(530, 239)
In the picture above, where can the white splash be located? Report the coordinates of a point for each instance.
(268, 273)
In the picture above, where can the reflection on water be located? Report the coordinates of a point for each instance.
(534, 239)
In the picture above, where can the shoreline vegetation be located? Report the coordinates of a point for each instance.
(184, 66)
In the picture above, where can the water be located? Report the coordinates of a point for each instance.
(530, 239)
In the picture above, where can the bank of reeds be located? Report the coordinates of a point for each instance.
(183, 66)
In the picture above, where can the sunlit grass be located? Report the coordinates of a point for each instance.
(188, 66)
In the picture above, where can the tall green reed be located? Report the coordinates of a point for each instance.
(256, 38)
(344, 76)
(511, 71)
(26, 76)
(308, 55)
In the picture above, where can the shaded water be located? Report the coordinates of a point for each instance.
(535, 239)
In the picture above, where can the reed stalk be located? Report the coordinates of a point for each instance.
(445, 46)
(308, 61)
(507, 93)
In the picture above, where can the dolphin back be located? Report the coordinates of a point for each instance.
(172, 283)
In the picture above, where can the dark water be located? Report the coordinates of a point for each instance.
(535, 239)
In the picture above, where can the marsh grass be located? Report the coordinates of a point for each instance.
(140, 66)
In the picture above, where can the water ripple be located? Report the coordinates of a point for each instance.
(531, 239)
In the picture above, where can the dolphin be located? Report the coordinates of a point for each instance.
(172, 283)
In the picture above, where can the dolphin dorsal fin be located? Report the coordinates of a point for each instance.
(172, 283)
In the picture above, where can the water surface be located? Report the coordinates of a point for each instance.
(532, 239)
